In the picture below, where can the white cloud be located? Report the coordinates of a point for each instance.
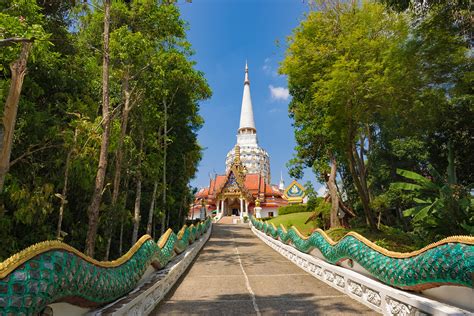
(279, 93)
(268, 68)
(266, 65)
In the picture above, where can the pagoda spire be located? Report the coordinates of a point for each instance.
(247, 123)
(246, 81)
(281, 186)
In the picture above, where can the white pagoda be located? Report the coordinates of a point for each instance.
(254, 158)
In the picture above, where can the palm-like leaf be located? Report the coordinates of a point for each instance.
(412, 176)
(423, 182)
(422, 213)
(406, 186)
(441, 201)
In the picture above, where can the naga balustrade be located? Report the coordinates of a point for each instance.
(447, 262)
(52, 271)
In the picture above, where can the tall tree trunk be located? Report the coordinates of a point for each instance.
(18, 69)
(118, 165)
(334, 219)
(93, 211)
(121, 238)
(138, 197)
(107, 247)
(123, 132)
(165, 142)
(152, 208)
(361, 188)
(136, 216)
(66, 178)
(122, 217)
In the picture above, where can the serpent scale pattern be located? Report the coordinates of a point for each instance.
(51, 272)
(447, 262)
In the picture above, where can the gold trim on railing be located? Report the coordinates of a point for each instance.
(274, 227)
(394, 254)
(10, 264)
(181, 232)
(163, 239)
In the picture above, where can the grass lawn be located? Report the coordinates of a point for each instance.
(388, 237)
(295, 219)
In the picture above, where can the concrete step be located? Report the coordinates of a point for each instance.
(230, 220)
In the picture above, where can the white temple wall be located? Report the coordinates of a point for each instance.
(196, 214)
(265, 212)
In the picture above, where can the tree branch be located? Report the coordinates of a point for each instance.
(29, 152)
(13, 40)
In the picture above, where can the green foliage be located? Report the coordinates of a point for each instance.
(62, 94)
(22, 19)
(322, 214)
(388, 237)
(337, 63)
(288, 209)
(383, 90)
(443, 206)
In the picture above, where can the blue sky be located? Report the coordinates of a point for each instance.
(224, 33)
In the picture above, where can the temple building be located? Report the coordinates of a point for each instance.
(245, 188)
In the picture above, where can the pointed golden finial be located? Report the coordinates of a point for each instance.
(237, 153)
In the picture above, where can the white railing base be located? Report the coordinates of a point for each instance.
(374, 294)
(145, 302)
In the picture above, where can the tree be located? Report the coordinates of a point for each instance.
(22, 30)
(336, 63)
(93, 210)
(59, 134)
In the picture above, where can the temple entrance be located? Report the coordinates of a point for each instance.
(233, 207)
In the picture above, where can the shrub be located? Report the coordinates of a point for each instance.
(442, 206)
(289, 209)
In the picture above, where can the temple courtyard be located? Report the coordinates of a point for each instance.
(237, 274)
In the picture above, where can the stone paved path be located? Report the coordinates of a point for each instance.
(237, 274)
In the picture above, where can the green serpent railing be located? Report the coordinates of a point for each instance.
(53, 271)
(447, 262)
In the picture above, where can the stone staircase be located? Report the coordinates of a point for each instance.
(228, 220)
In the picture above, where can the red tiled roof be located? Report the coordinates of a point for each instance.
(203, 193)
(219, 181)
(253, 182)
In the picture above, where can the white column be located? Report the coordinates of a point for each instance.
(202, 213)
(223, 206)
(241, 207)
(218, 204)
(246, 208)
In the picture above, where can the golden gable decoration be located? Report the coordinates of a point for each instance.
(234, 186)
(294, 193)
